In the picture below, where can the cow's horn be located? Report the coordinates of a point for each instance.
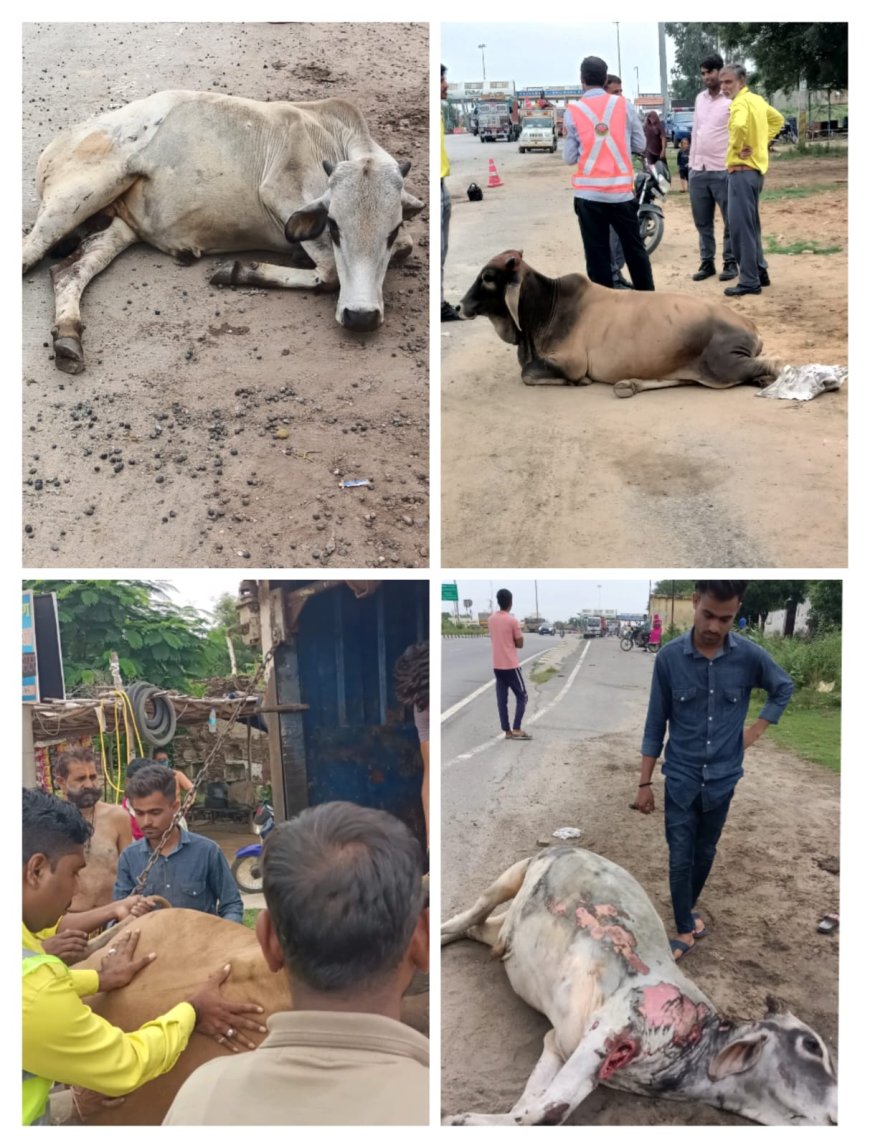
(411, 205)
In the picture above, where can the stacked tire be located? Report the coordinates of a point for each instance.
(157, 728)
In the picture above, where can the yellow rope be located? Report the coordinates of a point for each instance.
(129, 708)
(108, 776)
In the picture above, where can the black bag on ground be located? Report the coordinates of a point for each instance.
(474, 192)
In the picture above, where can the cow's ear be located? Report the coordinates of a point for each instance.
(411, 205)
(514, 288)
(308, 222)
(738, 1056)
(405, 167)
(328, 167)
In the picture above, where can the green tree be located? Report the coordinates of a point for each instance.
(674, 587)
(826, 605)
(784, 54)
(155, 640)
(692, 42)
(777, 56)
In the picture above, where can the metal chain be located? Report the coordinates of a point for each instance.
(200, 777)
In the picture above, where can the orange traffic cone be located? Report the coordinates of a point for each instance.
(494, 178)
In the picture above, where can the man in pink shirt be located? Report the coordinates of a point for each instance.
(507, 638)
(708, 177)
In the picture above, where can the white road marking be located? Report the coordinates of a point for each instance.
(481, 689)
(535, 717)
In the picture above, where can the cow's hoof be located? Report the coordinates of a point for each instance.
(227, 273)
(68, 356)
(626, 389)
(456, 1121)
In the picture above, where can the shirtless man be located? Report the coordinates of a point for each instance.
(76, 774)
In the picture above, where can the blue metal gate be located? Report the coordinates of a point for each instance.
(355, 742)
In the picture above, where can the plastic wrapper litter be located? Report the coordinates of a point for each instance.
(804, 383)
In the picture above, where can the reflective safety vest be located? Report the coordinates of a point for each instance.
(35, 1089)
(604, 165)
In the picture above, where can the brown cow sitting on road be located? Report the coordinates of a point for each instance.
(570, 330)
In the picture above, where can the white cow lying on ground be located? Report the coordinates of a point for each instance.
(197, 173)
(582, 944)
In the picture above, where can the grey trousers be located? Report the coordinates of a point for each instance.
(744, 191)
(445, 228)
(707, 189)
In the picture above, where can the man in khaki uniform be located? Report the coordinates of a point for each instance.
(346, 919)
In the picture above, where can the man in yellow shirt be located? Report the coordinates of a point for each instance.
(752, 124)
(63, 1040)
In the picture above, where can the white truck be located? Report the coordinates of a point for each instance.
(538, 133)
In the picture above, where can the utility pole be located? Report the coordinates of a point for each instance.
(618, 49)
(537, 614)
(663, 71)
(636, 84)
(482, 60)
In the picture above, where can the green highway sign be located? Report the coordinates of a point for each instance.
(449, 592)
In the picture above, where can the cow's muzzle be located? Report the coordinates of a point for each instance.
(358, 320)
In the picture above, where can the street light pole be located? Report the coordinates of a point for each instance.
(636, 84)
(618, 49)
(482, 60)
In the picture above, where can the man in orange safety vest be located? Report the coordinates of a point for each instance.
(602, 132)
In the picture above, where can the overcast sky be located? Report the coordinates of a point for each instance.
(202, 588)
(534, 55)
(557, 600)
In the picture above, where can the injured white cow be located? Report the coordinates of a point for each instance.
(197, 173)
(582, 943)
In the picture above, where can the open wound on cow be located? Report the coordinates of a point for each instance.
(618, 1052)
(664, 1006)
(602, 924)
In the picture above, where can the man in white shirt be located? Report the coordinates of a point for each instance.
(708, 177)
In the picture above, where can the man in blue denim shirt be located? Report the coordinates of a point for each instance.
(191, 872)
(701, 688)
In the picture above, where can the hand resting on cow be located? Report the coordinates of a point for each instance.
(569, 330)
(582, 944)
(198, 173)
(65, 1041)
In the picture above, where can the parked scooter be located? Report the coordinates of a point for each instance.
(246, 867)
(651, 187)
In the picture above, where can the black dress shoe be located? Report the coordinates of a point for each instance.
(764, 278)
(449, 313)
(705, 271)
(729, 271)
(741, 290)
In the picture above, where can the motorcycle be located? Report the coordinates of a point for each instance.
(246, 866)
(651, 185)
(638, 636)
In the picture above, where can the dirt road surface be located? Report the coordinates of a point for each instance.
(212, 425)
(567, 476)
(774, 876)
